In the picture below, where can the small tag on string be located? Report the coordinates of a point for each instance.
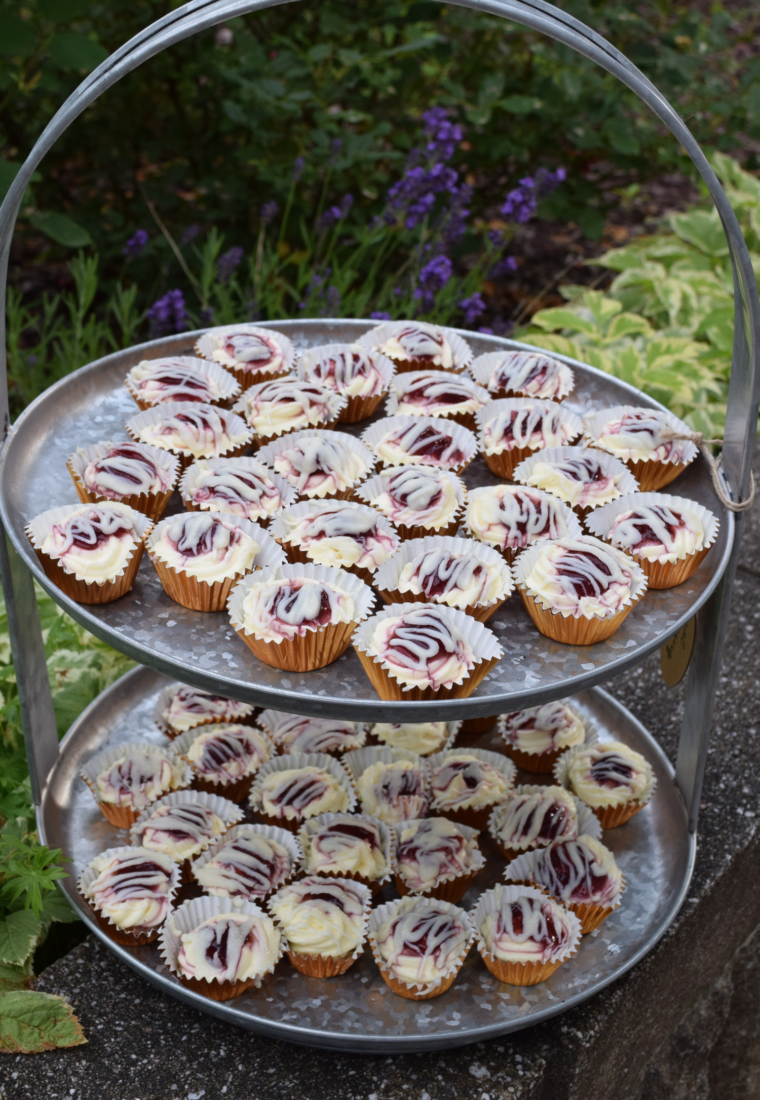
(675, 655)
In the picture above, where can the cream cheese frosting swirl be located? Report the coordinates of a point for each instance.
(132, 889)
(543, 729)
(226, 752)
(321, 917)
(348, 369)
(437, 393)
(253, 350)
(532, 426)
(658, 532)
(637, 436)
(249, 866)
(180, 831)
(420, 737)
(463, 780)
(457, 580)
(300, 793)
(511, 518)
(393, 792)
(127, 469)
(533, 819)
(318, 466)
(229, 947)
(285, 608)
(341, 534)
(432, 851)
(422, 648)
(236, 489)
(528, 929)
(197, 430)
(288, 404)
(420, 343)
(582, 577)
(582, 871)
(156, 381)
(186, 707)
(138, 778)
(347, 844)
(205, 547)
(583, 480)
(422, 941)
(94, 542)
(418, 496)
(297, 733)
(532, 374)
(420, 441)
(610, 774)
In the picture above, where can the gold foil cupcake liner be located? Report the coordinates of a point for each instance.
(189, 481)
(238, 433)
(418, 991)
(205, 346)
(151, 505)
(272, 832)
(122, 935)
(359, 406)
(461, 352)
(485, 365)
(336, 404)
(465, 441)
(452, 887)
(387, 576)
(654, 473)
(329, 966)
(296, 760)
(123, 817)
(387, 842)
(186, 918)
(272, 451)
(609, 817)
(520, 973)
(226, 385)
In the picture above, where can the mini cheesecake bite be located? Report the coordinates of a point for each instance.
(288, 404)
(135, 474)
(237, 486)
(338, 533)
(180, 378)
(130, 892)
(436, 858)
(184, 824)
(224, 757)
(324, 923)
(419, 945)
(248, 863)
(393, 790)
(191, 431)
(418, 500)
(126, 779)
(578, 476)
(421, 440)
(535, 817)
(423, 738)
(613, 780)
(347, 846)
(319, 463)
(248, 352)
(535, 738)
(523, 374)
(417, 345)
(181, 708)
(359, 374)
(421, 647)
(511, 518)
(466, 784)
(293, 788)
(523, 936)
(647, 440)
(299, 733)
(512, 429)
(438, 394)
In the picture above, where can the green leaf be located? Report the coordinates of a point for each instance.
(627, 324)
(56, 907)
(564, 318)
(73, 51)
(31, 1022)
(703, 230)
(591, 222)
(17, 37)
(520, 104)
(61, 229)
(18, 936)
(64, 11)
(15, 977)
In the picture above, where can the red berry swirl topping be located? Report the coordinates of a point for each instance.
(535, 818)
(154, 382)
(286, 404)
(437, 392)
(344, 845)
(427, 441)
(532, 426)
(422, 647)
(421, 343)
(187, 707)
(582, 576)
(346, 368)
(202, 431)
(423, 941)
(318, 465)
(224, 753)
(456, 579)
(532, 374)
(296, 733)
(511, 518)
(580, 871)
(394, 791)
(283, 608)
(431, 851)
(94, 542)
(126, 469)
(249, 866)
(658, 531)
(525, 928)
(236, 489)
(204, 546)
(641, 435)
(132, 888)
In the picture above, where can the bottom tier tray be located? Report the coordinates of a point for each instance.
(357, 1011)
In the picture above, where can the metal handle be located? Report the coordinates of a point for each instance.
(744, 387)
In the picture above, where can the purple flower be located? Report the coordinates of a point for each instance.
(226, 264)
(190, 234)
(334, 214)
(426, 173)
(521, 203)
(332, 302)
(168, 314)
(135, 244)
(298, 166)
(503, 268)
(380, 315)
(433, 276)
(336, 147)
(207, 316)
(472, 307)
(442, 135)
(268, 213)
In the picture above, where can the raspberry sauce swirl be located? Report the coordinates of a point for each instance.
(423, 941)
(418, 496)
(229, 947)
(432, 851)
(288, 404)
(420, 343)
(348, 369)
(459, 580)
(318, 466)
(296, 733)
(531, 374)
(582, 871)
(658, 532)
(283, 608)
(297, 793)
(609, 774)
(583, 480)
(582, 577)
(528, 929)
(342, 534)
(320, 916)
(437, 393)
(126, 469)
(393, 792)
(154, 382)
(536, 818)
(205, 546)
(249, 865)
(94, 542)
(640, 435)
(200, 431)
(246, 349)
(237, 489)
(542, 729)
(187, 707)
(463, 780)
(227, 752)
(533, 426)
(180, 831)
(427, 441)
(346, 844)
(511, 518)
(422, 647)
(138, 778)
(132, 888)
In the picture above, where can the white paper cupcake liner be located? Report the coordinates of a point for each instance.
(452, 732)
(402, 383)
(227, 811)
(482, 640)
(358, 760)
(593, 424)
(83, 456)
(471, 835)
(588, 822)
(573, 523)
(311, 356)
(383, 913)
(270, 553)
(182, 744)
(387, 576)
(303, 760)
(271, 452)
(93, 767)
(359, 888)
(191, 914)
(625, 482)
(484, 366)
(314, 824)
(497, 760)
(571, 423)
(461, 351)
(464, 439)
(227, 385)
(288, 518)
(599, 523)
(370, 490)
(87, 876)
(38, 529)
(528, 558)
(269, 720)
(189, 480)
(335, 402)
(238, 432)
(491, 901)
(360, 593)
(521, 869)
(205, 346)
(562, 773)
(272, 832)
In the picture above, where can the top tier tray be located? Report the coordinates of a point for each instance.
(93, 404)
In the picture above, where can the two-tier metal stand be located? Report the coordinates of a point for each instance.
(656, 850)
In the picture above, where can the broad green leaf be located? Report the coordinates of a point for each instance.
(61, 229)
(73, 51)
(701, 229)
(17, 37)
(15, 977)
(627, 324)
(31, 1022)
(591, 222)
(618, 259)
(56, 907)
(601, 307)
(563, 318)
(520, 104)
(18, 936)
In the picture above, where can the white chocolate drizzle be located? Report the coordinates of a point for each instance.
(421, 942)
(317, 466)
(543, 729)
(418, 496)
(430, 851)
(535, 819)
(127, 469)
(534, 426)
(582, 577)
(658, 532)
(132, 889)
(284, 608)
(245, 493)
(463, 780)
(394, 791)
(531, 373)
(229, 947)
(431, 444)
(637, 436)
(249, 866)
(225, 752)
(422, 647)
(512, 518)
(580, 871)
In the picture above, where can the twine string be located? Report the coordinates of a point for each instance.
(670, 434)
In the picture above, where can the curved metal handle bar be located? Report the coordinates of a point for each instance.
(744, 389)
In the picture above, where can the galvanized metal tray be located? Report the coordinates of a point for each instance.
(357, 1011)
(93, 404)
